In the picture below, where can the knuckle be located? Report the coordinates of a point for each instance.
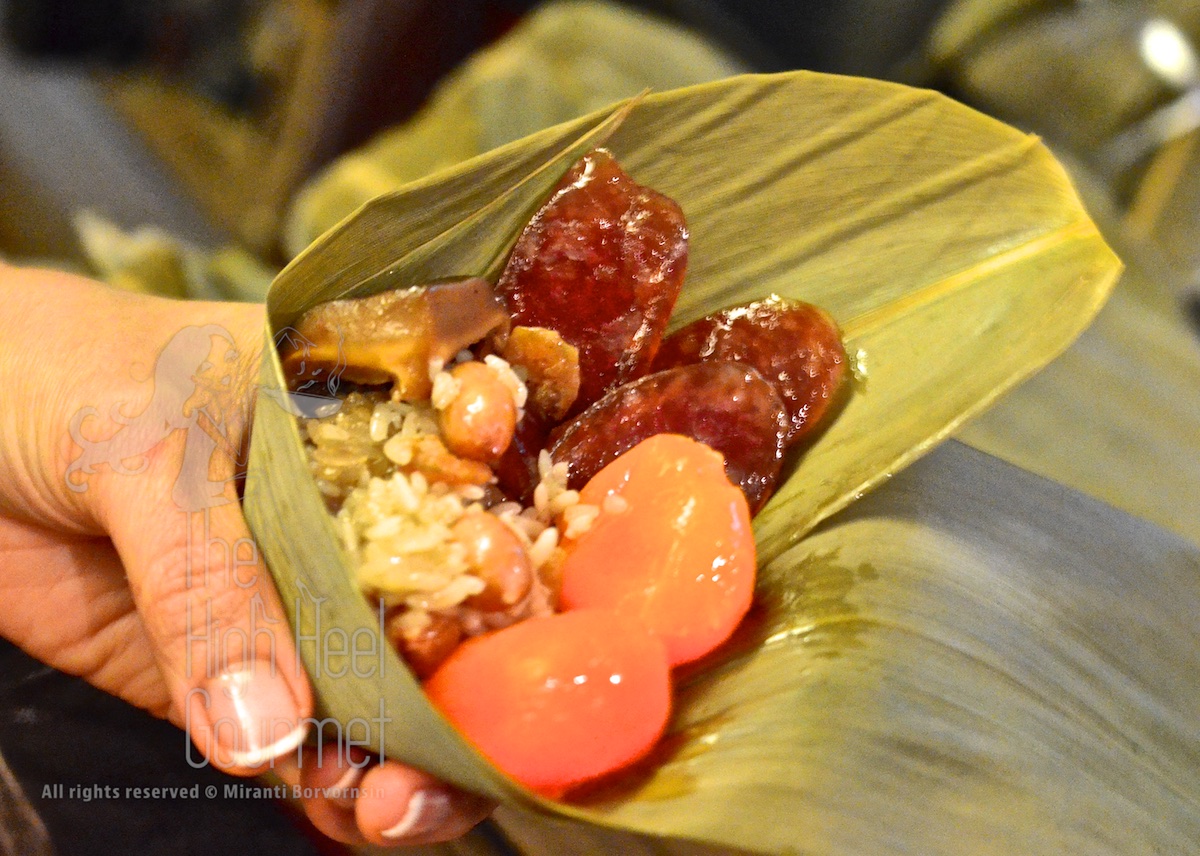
(186, 607)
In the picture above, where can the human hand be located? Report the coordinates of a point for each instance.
(124, 556)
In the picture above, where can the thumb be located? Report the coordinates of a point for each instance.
(212, 615)
(219, 633)
(168, 387)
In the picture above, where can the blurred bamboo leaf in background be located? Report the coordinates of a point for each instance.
(562, 61)
(1119, 415)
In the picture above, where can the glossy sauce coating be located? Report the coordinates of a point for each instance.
(727, 406)
(602, 264)
(794, 345)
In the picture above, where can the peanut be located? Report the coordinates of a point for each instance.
(425, 649)
(497, 557)
(479, 422)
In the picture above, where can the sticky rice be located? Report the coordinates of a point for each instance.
(396, 521)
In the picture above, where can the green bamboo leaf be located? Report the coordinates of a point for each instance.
(952, 249)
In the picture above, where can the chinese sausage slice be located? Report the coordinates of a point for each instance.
(601, 263)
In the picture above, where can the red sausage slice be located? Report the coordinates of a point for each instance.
(727, 406)
(794, 345)
(601, 263)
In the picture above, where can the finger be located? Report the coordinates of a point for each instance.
(214, 620)
(398, 805)
(67, 604)
(147, 456)
(287, 768)
(330, 780)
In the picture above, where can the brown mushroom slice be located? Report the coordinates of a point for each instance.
(391, 336)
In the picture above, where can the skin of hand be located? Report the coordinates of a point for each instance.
(103, 571)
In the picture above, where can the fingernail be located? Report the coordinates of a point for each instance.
(427, 810)
(342, 786)
(253, 714)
